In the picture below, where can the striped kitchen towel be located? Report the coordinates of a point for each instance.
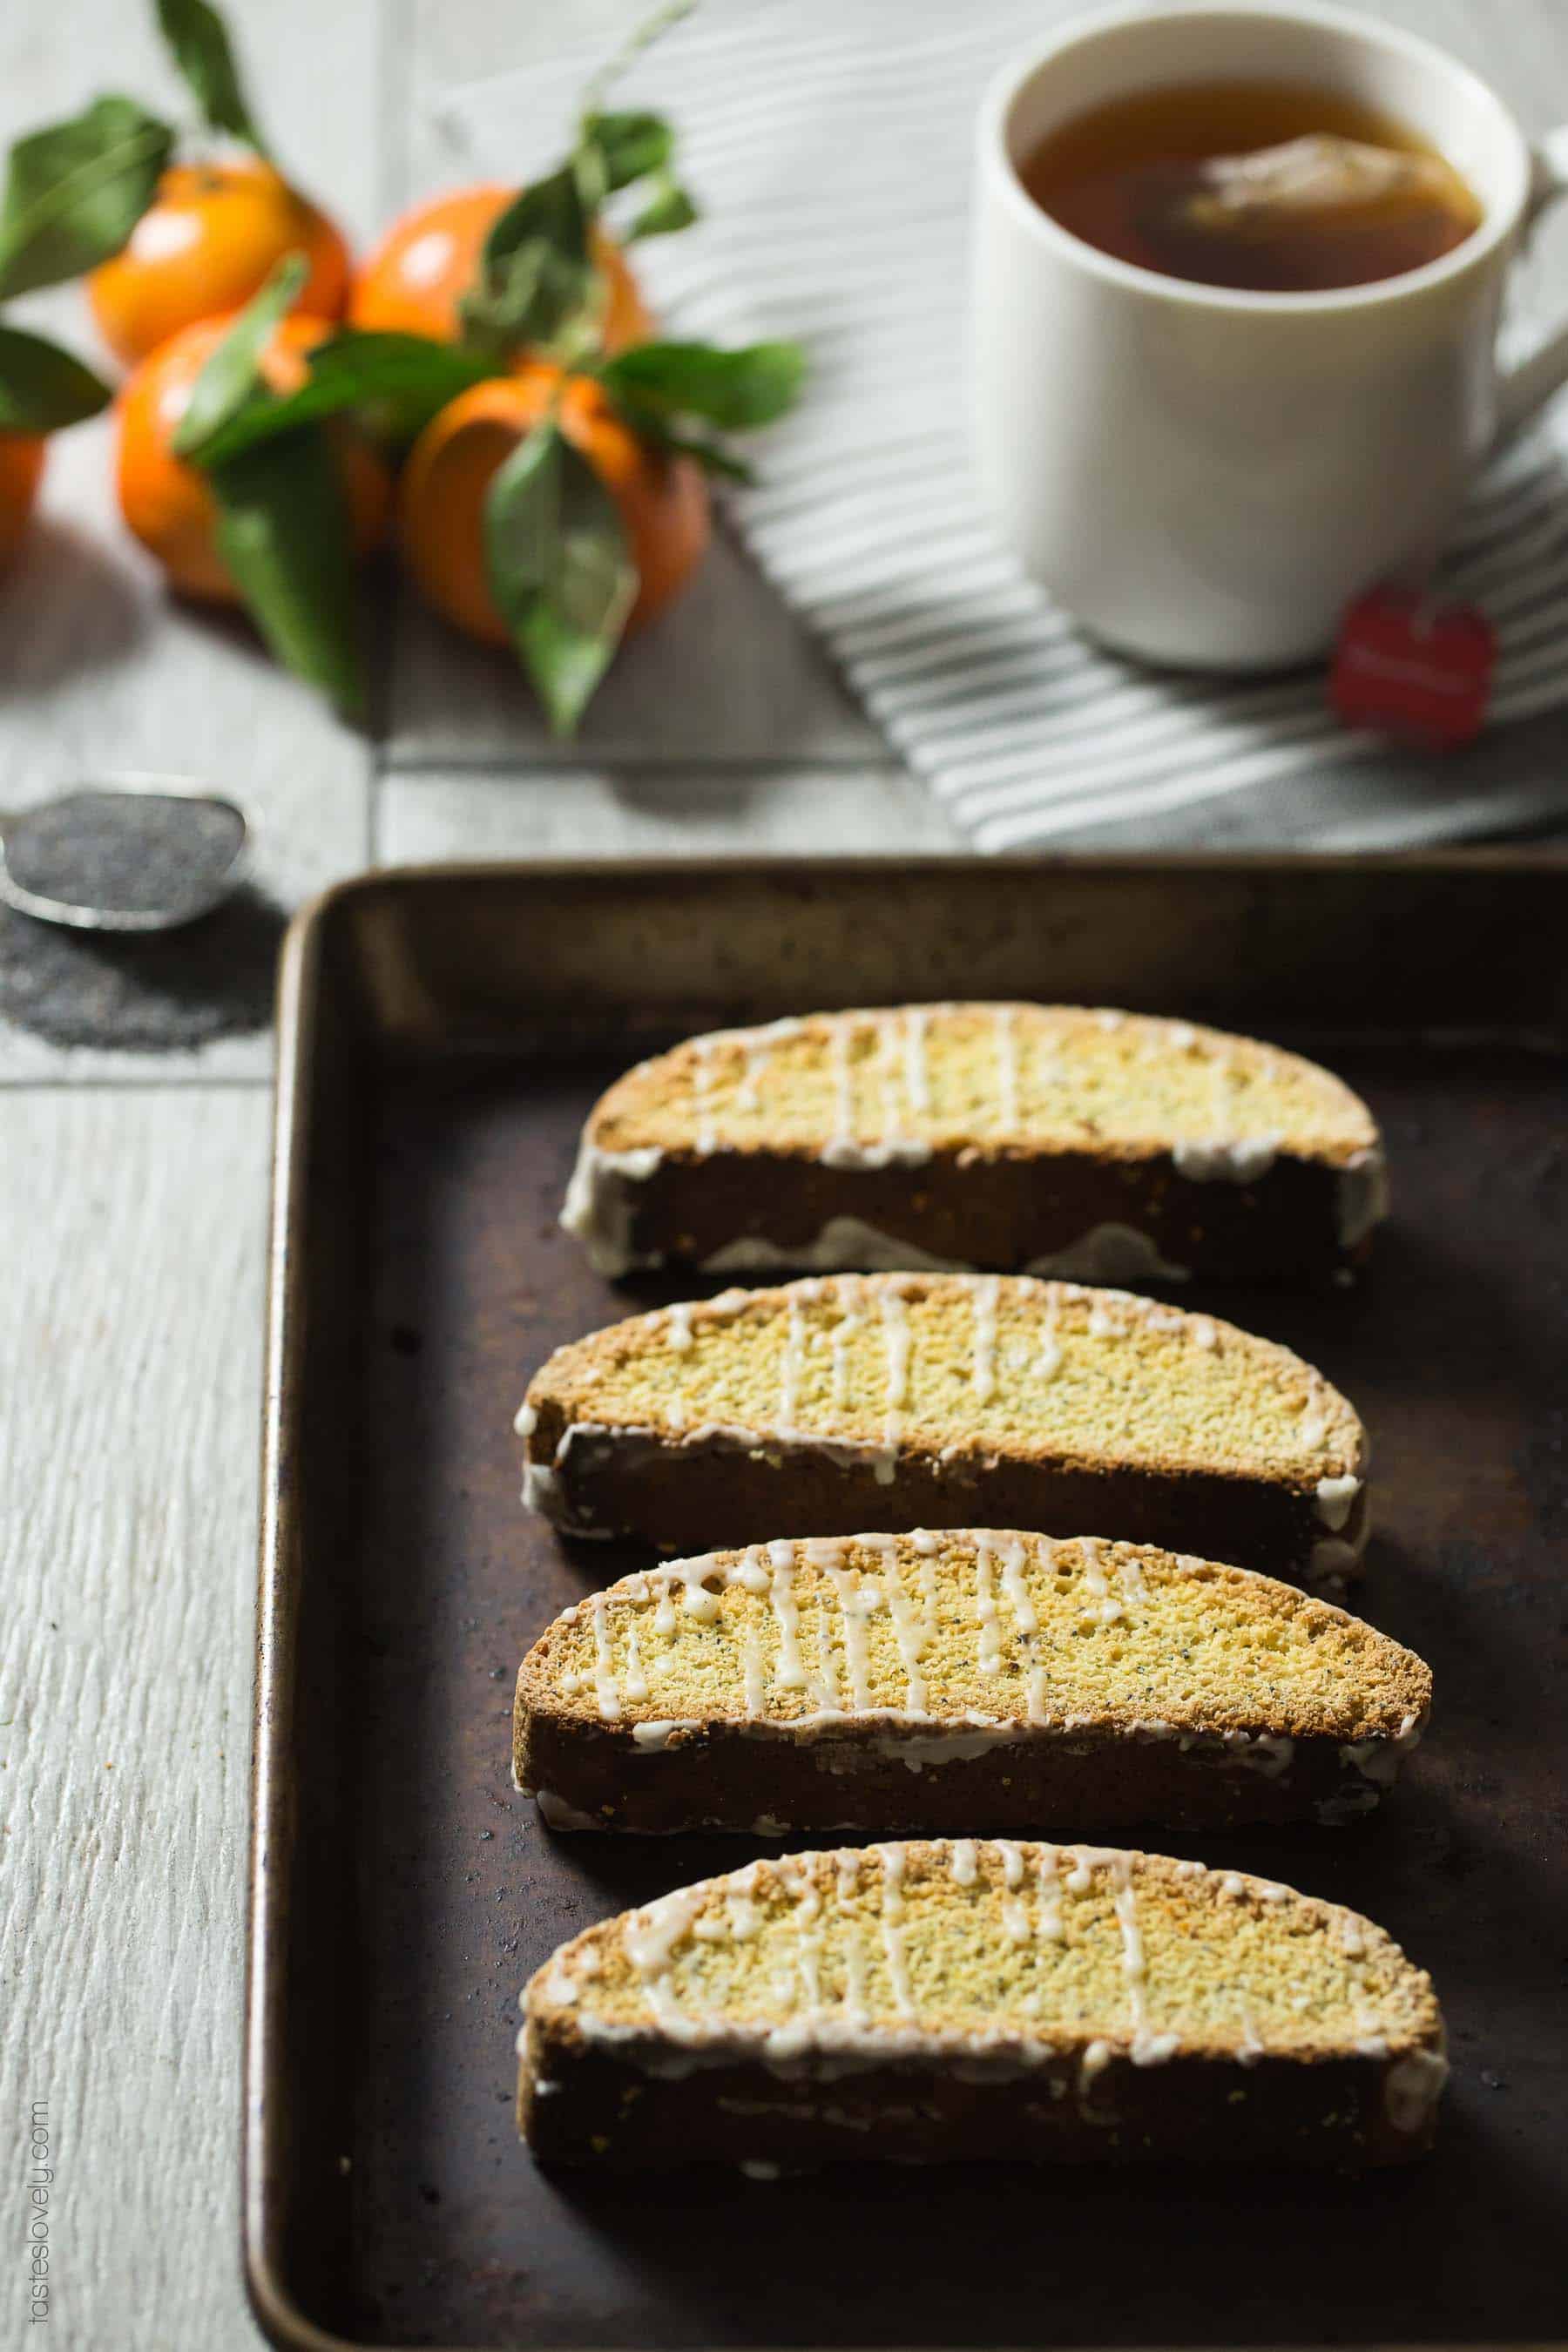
(828, 142)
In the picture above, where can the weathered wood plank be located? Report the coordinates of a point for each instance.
(657, 812)
(127, 1457)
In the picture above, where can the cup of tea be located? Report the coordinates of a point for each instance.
(1238, 276)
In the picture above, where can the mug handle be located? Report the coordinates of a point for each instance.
(1531, 381)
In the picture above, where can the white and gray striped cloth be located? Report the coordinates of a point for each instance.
(828, 142)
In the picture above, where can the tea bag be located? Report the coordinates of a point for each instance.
(1319, 182)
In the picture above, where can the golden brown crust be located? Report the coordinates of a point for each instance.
(573, 1383)
(1104, 1146)
(659, 1102)
(963, 1399)
(828, 1686)
(1072, 1991)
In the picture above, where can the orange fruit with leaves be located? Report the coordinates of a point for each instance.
(413, 282)
(168, 503)
(662, 500)
(21, 470)
(210, 238)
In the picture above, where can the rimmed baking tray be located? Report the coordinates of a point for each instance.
(443, 1033)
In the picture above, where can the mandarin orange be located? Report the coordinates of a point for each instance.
(168, 503)
(210, 238)
(663, 501)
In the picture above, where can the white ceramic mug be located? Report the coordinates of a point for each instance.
(1203, 477)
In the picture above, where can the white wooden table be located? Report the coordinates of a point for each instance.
(133, 1192)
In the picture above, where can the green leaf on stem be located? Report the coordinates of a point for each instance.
(393, 383)
(736, 391)
(43, 387)
(231, 380)
(75, 190)
(283, 531)
(560, 568)
(630, 146)
(536, 272)
(198, 40)
(668, 210)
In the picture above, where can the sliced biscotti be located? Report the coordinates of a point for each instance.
(909, 1401)
(1112, 1147)
(979, 1679)
(959, 1998)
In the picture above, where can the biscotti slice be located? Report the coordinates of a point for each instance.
(953, 1998)
(948, 1401)
(984, 1678)
(1042, 1139)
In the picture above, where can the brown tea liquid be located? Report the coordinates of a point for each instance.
(1247, 184)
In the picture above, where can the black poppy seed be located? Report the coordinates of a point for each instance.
(124, 852)
(156, 993)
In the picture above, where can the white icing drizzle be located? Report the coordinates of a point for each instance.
(1006, 1069)
(604, 1683)
(1379, 1758)
(854, 1604)
(911, 1632)
(1335, 1500)
(635, 1684)
(1026, 1617)
(1149, 2049)
(1050, 1919)
(1129, 1570)
(1362, 1191)
(600, 1207)
(654, 1735)
(790, 1673)
(750, 1574)
(677, 1331)
(808, 1949)
(989, 1659)
(1412, 2088)
(1047, 1360)
(1107, 1607)
(843, 1331)
(891, 1858)
(894, 1141)
(1014, 1915)
(916, 1079)
(744, 1918)
(841, 1145)
(754, 1672)
(986, 1295)
(964, 1861)
(1102, 1325)
(896, 1339)
(747, 1093)
(651, 1937)
(706, 1134)
(794, 1362)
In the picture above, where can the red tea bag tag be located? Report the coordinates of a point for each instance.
(1407, 666)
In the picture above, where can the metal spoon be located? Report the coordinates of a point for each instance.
(137, 853)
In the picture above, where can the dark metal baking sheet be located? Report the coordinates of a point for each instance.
(443, 1033)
